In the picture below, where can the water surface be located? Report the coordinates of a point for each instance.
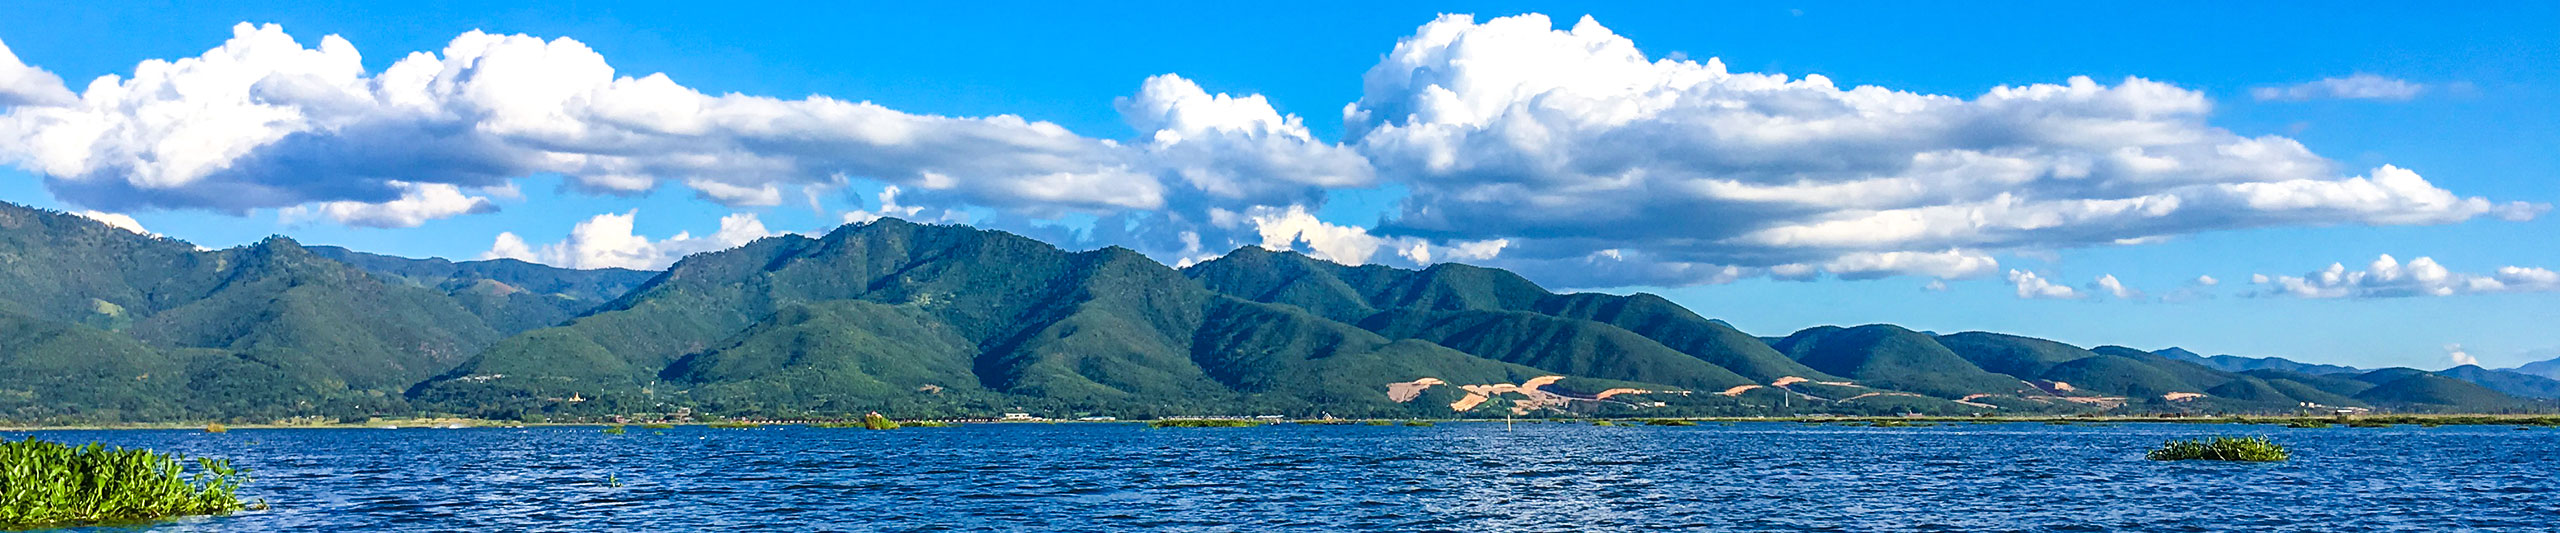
(1453, 477)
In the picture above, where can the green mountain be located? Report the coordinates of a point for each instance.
(263, 331)
(511, 296)
(2511, 383)
(1640, 325)
(2234, 363)
(101, 324)
(2429, 392)
(926, 319)
(1890, 357)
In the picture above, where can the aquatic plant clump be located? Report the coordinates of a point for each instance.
(874, 421)
(2256, 449)
(51, 484)
(1199, 423)
(1669, 422)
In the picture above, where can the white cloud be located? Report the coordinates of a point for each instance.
(1566, 154)
(417, 204)
(2207, 280)
(1935, 285)
(22, 85)
(2031, 286)
(2361, 86)
(607, 241)
(2387, 277)
(116, 220)
(1570, 141)
(263, 122)
(889, 207)
(2459, 356)
(1284, 229)
(2113, 287)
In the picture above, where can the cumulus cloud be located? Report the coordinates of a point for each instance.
(2361, 86)
(22, 85)
(2459, 356)
(2387, 277)
(417, 204)
(264, 122)
(2207, 280)
(116, 220)
(2031, 286)
(2111, 286)
(607, 241)
(1570, 141)
(1569, 154)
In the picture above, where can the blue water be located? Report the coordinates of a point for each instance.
(1454, 477)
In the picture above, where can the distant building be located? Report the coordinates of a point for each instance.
(1020, 416)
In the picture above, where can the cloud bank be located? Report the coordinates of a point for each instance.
(2387, 277)
(1570, 154)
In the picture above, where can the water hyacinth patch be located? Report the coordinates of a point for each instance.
(51, 484)
(2253, 449)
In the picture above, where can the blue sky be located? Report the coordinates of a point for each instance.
(2478, 124)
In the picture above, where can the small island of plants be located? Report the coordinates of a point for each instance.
(47, 484)
(2248, 449)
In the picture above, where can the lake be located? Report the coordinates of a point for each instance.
(1452, 477)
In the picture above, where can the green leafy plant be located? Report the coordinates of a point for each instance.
(51, 484)
(1417, 423)
(874, 421)
(614, 430)
(2221, 449)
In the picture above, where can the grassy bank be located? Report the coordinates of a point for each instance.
(45, 484)
(2247, 449)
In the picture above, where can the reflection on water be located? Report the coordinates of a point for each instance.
(1458, 477)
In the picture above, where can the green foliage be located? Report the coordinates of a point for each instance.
(50, 484)
(1417, 423)
(1671, 422)
(2307, 424)
(874, 421)
(615, 429)
(2254, 449)
(1205, 423)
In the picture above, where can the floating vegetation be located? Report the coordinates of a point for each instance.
(2307, 424)
(658, 426)
(216, 427)
(734, 425)
(1205, 423)
(2368, 424)
(1670, 422)
(2221, 449)
(835, 425)
(874, 421)
(615, 429)
(1417, 423)
(50, 484)
(1386, 423)
(1603, 423)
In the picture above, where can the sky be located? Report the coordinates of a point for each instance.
(2364, 184)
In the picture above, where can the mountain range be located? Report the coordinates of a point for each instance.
(99, 324)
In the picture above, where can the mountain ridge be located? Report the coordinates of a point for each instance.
(946, 320)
